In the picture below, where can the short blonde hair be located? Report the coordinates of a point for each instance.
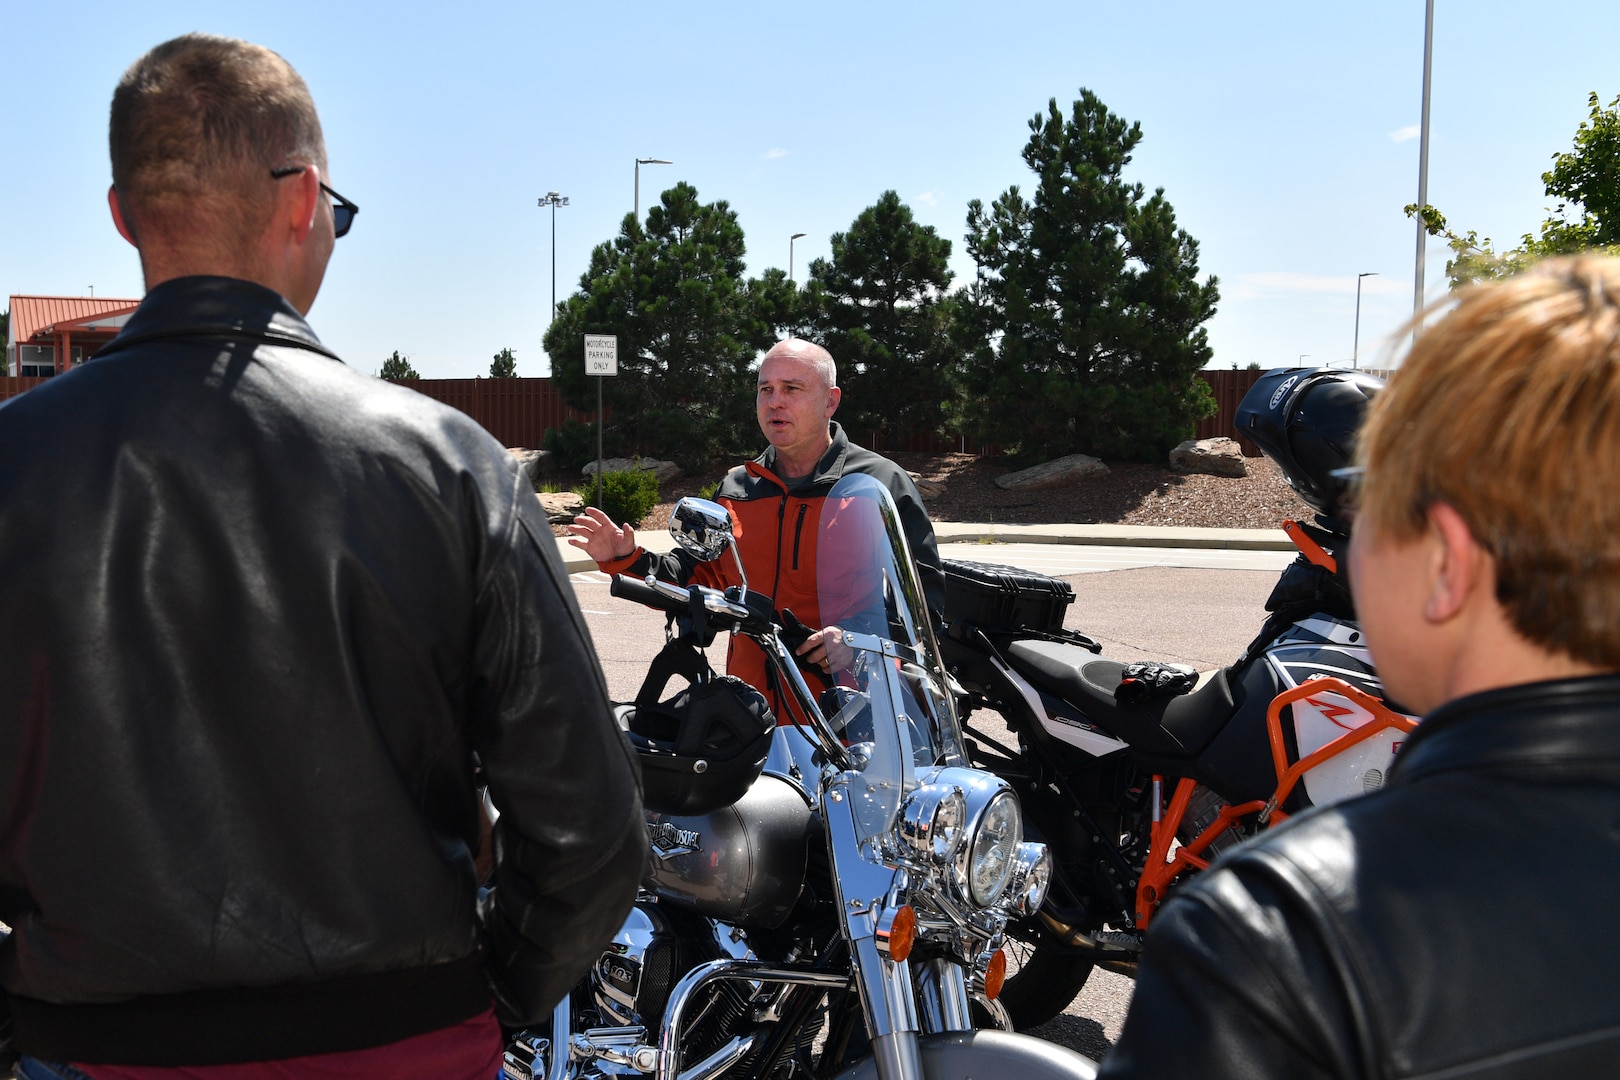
(1508, 410)
(196, 127)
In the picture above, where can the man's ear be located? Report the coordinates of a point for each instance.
(300, 201)
(124, 228)
(1460, 565)
(834, 395)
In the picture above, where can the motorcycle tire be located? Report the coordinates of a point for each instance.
(1043, 977)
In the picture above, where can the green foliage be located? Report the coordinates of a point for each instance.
(709, 490)
(574, 443)
(879, 306)
(1585, 180)
(626, 496)
(1085, 326)
(504, 366)
(689, 326)
(398, 367)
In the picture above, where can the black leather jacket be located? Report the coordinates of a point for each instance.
(257, 613)
(1459, 922)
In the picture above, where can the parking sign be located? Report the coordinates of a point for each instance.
(601, 354)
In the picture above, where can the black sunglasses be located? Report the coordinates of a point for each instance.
(343, 210)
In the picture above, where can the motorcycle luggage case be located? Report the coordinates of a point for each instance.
(1004, 598)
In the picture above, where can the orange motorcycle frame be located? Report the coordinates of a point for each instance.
(1163, 867)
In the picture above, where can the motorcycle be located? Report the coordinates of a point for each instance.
(1134, 778)
(831, 898)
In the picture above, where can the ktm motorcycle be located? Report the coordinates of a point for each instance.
(1132, 776)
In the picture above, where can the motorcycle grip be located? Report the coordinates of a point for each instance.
(631, 588)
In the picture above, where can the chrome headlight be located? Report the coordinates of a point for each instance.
(986, 864)
(931, 822)
(1031, 874)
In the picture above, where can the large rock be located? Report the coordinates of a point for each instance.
(928, 489)
(1060, 473)
(534, 463)
(561, 507)
(1217, 457)
(663, 471)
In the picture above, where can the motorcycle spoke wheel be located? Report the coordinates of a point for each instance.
(1043, 977)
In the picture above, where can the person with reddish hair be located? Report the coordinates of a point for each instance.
(1458, 921)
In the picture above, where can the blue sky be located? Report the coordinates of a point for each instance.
(1283, 134)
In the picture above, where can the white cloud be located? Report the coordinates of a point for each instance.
(928, 198)
(774, 153)
(1406, 134)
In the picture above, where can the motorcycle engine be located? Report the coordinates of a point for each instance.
(631, 980)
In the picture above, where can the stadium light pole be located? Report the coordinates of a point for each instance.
(1355, 350)
(792, 238)
(640, 161)
(554, 200)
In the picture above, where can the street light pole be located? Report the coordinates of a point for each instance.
(640, 161)
(1423, 172)
(1355, 350)
(554, 200)
(792, 238)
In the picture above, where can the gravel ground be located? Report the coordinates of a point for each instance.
(1128, 494)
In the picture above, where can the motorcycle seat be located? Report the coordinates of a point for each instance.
(1169, 726)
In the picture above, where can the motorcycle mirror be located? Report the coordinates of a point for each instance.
(703, 528)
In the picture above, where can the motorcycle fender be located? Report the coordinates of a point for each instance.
(988, 1053)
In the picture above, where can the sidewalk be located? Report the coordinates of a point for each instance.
(957, 532)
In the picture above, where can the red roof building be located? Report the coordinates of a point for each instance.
(49, 334)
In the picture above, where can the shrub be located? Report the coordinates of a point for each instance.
(707, 491)
(627, 496)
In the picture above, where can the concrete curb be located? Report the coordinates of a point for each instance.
(959, 532)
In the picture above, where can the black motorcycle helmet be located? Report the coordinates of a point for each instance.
(701, 749)
(1306, 419)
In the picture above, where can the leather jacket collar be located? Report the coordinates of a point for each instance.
(217, 307)
(1568, 725)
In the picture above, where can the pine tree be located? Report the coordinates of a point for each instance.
(1088, 313)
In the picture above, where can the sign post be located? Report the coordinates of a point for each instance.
(601, 360)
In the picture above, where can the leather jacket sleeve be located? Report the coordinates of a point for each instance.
(570, 840)
(1240, 980)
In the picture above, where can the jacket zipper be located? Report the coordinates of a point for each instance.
(781, 518)
(798, 530)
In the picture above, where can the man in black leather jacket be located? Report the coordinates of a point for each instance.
(258, 614)
(1458, 922)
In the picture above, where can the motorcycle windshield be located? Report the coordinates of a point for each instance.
(890, 701)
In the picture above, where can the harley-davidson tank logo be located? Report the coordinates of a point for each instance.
(669, 841)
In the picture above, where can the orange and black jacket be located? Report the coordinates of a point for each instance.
(776, 533)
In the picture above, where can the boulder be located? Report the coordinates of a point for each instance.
(663, 471)
(1060, 473)
(928, 489)
(1216, 457)
(561, 507)
(534, 463)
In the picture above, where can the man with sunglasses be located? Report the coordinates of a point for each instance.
(265, 625)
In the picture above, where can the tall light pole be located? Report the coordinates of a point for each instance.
(640, 161)
(792, 238)
(1423, 171)
(1355, 350)
(554, 200)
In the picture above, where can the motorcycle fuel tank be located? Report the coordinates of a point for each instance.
(743, 864)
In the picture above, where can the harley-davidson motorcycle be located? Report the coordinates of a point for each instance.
(1131, 776)
(827, 896)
